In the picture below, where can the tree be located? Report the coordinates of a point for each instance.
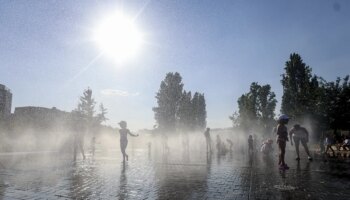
(266, 107)
(200, 113)
(87, 106)
(235, 119)
(168, 100)
(256, 108)
(101, 117)
(86, 111)
(247, 108)
(185, 113)
(299, 89)
(334, 104)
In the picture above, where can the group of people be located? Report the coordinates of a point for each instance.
(340, 142)
(297, 134)
(221, 146)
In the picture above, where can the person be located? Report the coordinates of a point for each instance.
(346, 144)
(219, 145)
(328, 142)
(266, 147)
(282, 138)
(79, 128)
(250, 144)
(124, 139)
(255, 139)
(208, 140)
(230, 143)
(300, 134)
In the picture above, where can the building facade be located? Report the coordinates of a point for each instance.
(5, 102)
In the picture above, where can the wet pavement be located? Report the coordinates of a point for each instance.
(48, 175)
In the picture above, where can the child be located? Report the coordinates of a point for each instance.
(250, 144)
(124, 138)
(329, 141)
(266, 147)
(282, 138)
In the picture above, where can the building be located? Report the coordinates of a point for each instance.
(5, 102)
(39, 118)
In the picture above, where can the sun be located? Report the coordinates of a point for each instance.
(118, 37)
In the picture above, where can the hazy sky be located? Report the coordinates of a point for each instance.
(47, 57)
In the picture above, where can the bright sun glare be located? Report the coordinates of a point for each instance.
(118, 37)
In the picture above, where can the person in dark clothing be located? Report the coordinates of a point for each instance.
(208, 140)
(299, 134)
(282, 138)
(124, 139)
(250, 144)
(79, 128)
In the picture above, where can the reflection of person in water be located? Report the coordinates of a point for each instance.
(124, 138)
(123, 192)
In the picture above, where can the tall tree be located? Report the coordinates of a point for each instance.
(334, 104)
(256, 108)
(87, 105)
(101, 117)
(201, 113)
(168, 100)
(185, 113)
(266, 107)
(299, 88)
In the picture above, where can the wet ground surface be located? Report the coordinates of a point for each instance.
(48, 175)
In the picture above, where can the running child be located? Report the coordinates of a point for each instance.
(124, 139)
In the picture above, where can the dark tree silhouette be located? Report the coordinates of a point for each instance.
(299, 89)
(256, 108)
(168, 100)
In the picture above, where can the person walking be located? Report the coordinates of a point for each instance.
(282, 138)
(300, 135)
(124, 139)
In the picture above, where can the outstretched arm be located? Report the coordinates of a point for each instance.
(134, 135)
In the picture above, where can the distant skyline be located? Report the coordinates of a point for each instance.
(47, 57)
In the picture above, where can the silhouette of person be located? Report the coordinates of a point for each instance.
(250, 144)
(266, 147)
(218, 144)
(79, 129)
(282, 138)
(208, 140)
(299, 134)
(230, 143)
(124, 139)
(329, 141)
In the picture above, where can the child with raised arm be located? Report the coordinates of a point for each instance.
(124, 138)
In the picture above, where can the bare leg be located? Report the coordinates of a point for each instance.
(82, 150)
(296, 142)
(282, 146)
(306, 148)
